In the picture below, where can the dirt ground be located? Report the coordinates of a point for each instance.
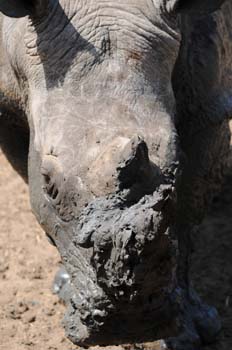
(30, 315)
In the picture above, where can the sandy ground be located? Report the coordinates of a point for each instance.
(30, 315)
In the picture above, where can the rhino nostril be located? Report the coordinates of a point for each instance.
(50, 187)
(52, 177)
(55, 193)
(46, 179)
(52, 191)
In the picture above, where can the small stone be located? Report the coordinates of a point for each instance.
(29, 317)
(4, 267)
(50, 312)
(28, 343)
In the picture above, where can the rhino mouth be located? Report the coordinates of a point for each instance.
(120, 260)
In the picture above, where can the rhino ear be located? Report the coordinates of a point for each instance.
(195, 6)
(19, 8)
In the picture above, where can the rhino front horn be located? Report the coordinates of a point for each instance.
(136, 168)
(124, 164)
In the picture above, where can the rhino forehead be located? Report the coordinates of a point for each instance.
(131, 20)
(85, 33)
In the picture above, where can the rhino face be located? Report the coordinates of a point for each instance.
(95, 81)
(98, 77)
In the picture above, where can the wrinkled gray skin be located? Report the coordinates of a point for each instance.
(116, 113)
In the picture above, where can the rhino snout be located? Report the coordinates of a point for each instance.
(123, 165)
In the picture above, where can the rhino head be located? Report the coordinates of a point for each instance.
(95, 81)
